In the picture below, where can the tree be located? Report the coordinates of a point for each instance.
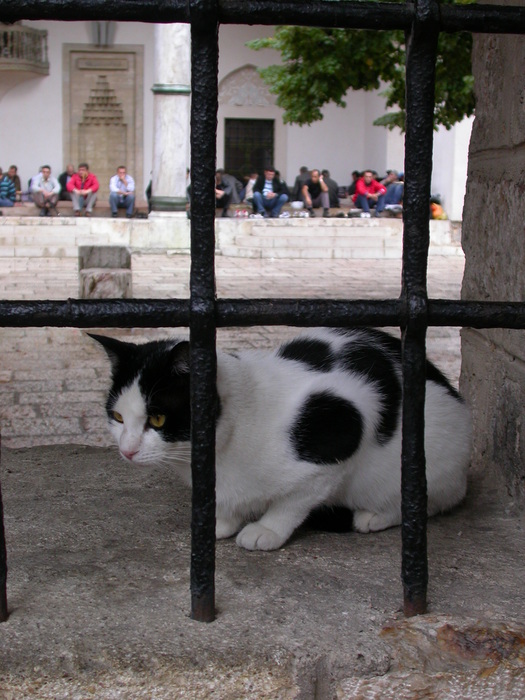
(321, 65)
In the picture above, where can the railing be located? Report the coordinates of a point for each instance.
(204, 313)
(23, 46)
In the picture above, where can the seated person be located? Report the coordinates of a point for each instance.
(236, 186)
(83, 187)
(7, 191)
(369, 193)
(333, 189)
(247, 195)
(223, 192)
(122, 192)
(304, 175)
(286, 191)
(315, 194)
(45, 190)
(63, 179)
(269, 194)
(394, 188)
(12, 174)
(351, 187)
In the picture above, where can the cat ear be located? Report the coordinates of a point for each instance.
(114, 348)
(180, 357)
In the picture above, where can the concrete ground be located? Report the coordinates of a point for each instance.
(99, 553)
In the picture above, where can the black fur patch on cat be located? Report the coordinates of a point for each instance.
(330, 519)
(328, 429)
(435, 375)
(393, 345)
(377, 366)
(166, 388)
(387, 341)
(314, 353)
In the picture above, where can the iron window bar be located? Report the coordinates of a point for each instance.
(149, 313)
(306, 13)
(413, 311)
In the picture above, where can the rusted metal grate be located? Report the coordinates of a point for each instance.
(422, 21)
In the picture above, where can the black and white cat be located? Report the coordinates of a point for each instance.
(314, 423)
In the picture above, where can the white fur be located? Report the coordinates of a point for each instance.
(264, 491)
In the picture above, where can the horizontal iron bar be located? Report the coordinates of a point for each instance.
(309, 312)
(325, 13)
(476, 314)
(487, 19)
(174, 313)
(101, 313)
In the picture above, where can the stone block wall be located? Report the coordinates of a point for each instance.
(493, 366)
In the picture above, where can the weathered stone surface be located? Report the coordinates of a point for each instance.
(105, 284)
(109, 256)
(493, 368)
(439, 656)
(494, 381)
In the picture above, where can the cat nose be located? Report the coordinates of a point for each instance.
(128, 454)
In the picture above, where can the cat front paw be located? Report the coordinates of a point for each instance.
(256, 536)
(226, 527)
(366, 521)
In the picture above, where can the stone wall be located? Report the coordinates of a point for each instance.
(493, 369)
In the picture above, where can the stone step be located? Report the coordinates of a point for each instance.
(339, 228)
(316, 241)
(330, 239)
(330, 253)
(33, 237)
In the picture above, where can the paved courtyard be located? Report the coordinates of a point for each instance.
(53, 381)
(99, 555)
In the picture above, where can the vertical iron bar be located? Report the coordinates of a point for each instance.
(204, 62)
(420, 77)
(3, 559)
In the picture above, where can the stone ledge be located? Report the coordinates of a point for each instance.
(65, 209)
(319, 238)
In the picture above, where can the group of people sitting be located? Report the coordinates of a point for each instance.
(267, 193)
(79, 186)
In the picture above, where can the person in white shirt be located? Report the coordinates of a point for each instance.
(45, 190)
(122, 192)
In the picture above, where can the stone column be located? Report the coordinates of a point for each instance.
(171, 149)
(493, 369)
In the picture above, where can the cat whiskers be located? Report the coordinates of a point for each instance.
(179, 456)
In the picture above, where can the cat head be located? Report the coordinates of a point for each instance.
(148, 405)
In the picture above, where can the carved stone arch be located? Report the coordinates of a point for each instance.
(244, 87)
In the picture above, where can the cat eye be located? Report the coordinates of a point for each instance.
(156, 421)
(118, 417)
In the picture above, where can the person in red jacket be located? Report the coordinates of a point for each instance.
(369, 193)
(83, 186)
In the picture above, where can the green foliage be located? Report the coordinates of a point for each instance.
(320, 65)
